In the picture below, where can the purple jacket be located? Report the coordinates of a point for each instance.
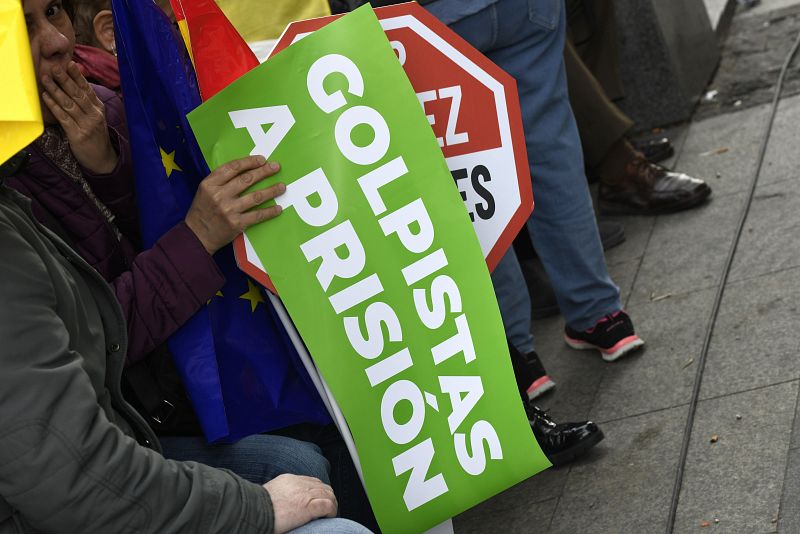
(160, 288)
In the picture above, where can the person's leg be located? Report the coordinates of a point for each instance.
(600, 123)
(562, 227)
(331, 526)
(257, 458)
(592, 27)
(514, 301)
(353, 501)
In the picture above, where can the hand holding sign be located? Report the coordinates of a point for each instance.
(220, 211)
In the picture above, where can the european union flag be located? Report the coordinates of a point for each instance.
(238, 364)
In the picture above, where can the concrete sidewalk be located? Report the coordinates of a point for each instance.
(669, 268)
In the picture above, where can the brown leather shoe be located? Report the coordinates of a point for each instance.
(655, 150)
(649, 189)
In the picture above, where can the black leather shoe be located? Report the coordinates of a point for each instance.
(649, 189)
(611, 233)
(562, 442)
(655, 150)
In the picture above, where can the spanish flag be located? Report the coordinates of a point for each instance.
(218, 52)
(257, 20)
(20, 115)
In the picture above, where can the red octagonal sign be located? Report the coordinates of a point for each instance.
(473, 108)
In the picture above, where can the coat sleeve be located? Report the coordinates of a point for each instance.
(63, 465)
(116, 189)
(165, 286)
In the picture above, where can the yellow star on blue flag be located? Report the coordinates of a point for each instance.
(168, 161)
(253, 295)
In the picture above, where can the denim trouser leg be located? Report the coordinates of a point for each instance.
(526, 39)
(258, 458)
(514, 301)
(331, 526)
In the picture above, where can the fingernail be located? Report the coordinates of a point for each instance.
(261, 160)
(274, 165)
(281, 188)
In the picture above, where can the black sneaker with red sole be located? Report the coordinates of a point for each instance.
(613, 336)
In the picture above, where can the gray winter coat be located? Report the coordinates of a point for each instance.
(74, 456)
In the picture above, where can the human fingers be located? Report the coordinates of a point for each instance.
(57, 94)
(256, 216)
(64, 119)
(321, 503)
(70, 90)
(318, 489)
(227, 172)
(244, 180)
(251, 200)
(83, 85)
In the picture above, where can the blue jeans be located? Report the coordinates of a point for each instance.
(331, 526)
(259, 459)
(526, 39)
(514, 301)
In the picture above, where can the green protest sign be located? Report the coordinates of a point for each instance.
(379, 267)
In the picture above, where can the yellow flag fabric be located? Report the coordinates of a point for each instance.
(20, 115)
(257, 20)
(184, 29)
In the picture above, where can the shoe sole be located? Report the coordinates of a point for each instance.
(657, 156)
(565, 457)
(610, 208)
(540, 386)
(623, 347)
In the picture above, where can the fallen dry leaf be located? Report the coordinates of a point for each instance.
(715, 152)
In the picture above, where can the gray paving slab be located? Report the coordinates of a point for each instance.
(637, 235)
(532, 518)
(624, 275)
(722, 149)
(769, 242)
(577, 375)
(687, 250)
(782, 160)
(661, 376)
(754, 343)
(738, 479)
(625, 486)
(795, 441)
(789, 517)
(540, 488)
(752, 56)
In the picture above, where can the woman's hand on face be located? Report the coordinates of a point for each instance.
(71, 100)
(220, 212)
